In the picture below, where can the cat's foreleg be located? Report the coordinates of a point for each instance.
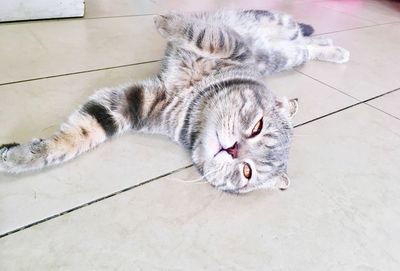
(108, 113)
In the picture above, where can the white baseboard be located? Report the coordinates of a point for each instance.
(16, 10)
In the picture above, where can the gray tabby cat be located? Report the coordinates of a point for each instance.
(210, 97)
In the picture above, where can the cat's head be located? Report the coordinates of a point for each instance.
(245, 140)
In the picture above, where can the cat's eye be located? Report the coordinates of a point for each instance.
(257, 128)
(247, 170)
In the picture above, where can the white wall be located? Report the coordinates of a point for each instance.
(15, 10)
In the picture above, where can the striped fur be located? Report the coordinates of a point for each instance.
(208, 97)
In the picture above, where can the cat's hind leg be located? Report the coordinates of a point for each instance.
(285, 55)
(108, 113)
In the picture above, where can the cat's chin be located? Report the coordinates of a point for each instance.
(222, 157)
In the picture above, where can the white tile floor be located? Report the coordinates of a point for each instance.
(122, 207)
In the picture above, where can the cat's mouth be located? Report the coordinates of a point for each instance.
(232, 151)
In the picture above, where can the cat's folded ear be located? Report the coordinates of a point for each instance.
(282, 181)
(289, 107)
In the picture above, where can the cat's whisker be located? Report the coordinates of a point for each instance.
(198, 180)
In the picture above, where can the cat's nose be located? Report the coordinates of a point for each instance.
(233, 151)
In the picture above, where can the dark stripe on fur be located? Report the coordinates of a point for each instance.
(200, 38)
(295, 35)
(9, 145)
(134, 97)
(258, 13)
(240, 52)
(206, 94)
(159, 98)
(221, 42)
(235, 49)
(190, 32)
(306, 29)
(173, 105)
(102, 115)
(114, 101)
(84, 132)
(242, 56)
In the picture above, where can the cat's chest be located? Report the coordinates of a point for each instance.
(191, 71)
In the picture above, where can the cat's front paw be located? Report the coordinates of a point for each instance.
(4, 156)
(15, 158)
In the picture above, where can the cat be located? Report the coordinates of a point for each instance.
(209, 96)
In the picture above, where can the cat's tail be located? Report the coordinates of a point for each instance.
(108, 113)
(306, 29)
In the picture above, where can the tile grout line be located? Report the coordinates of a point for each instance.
(118, 16)
(350, 106)
(66, 19)
(355, 28)
(93, 201)
(360, 101)
(78, 72)
(321, 4)
(381, 110)
(325, 84)
(182, 168)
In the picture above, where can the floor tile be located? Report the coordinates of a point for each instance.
(358, 153)
(372, 69)
(380, 11)
(48, 48)
(310, 13)
(302, 11)
(105, 8)
(335, 216)
(315, 99)
(36, 109)
(389, 103)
